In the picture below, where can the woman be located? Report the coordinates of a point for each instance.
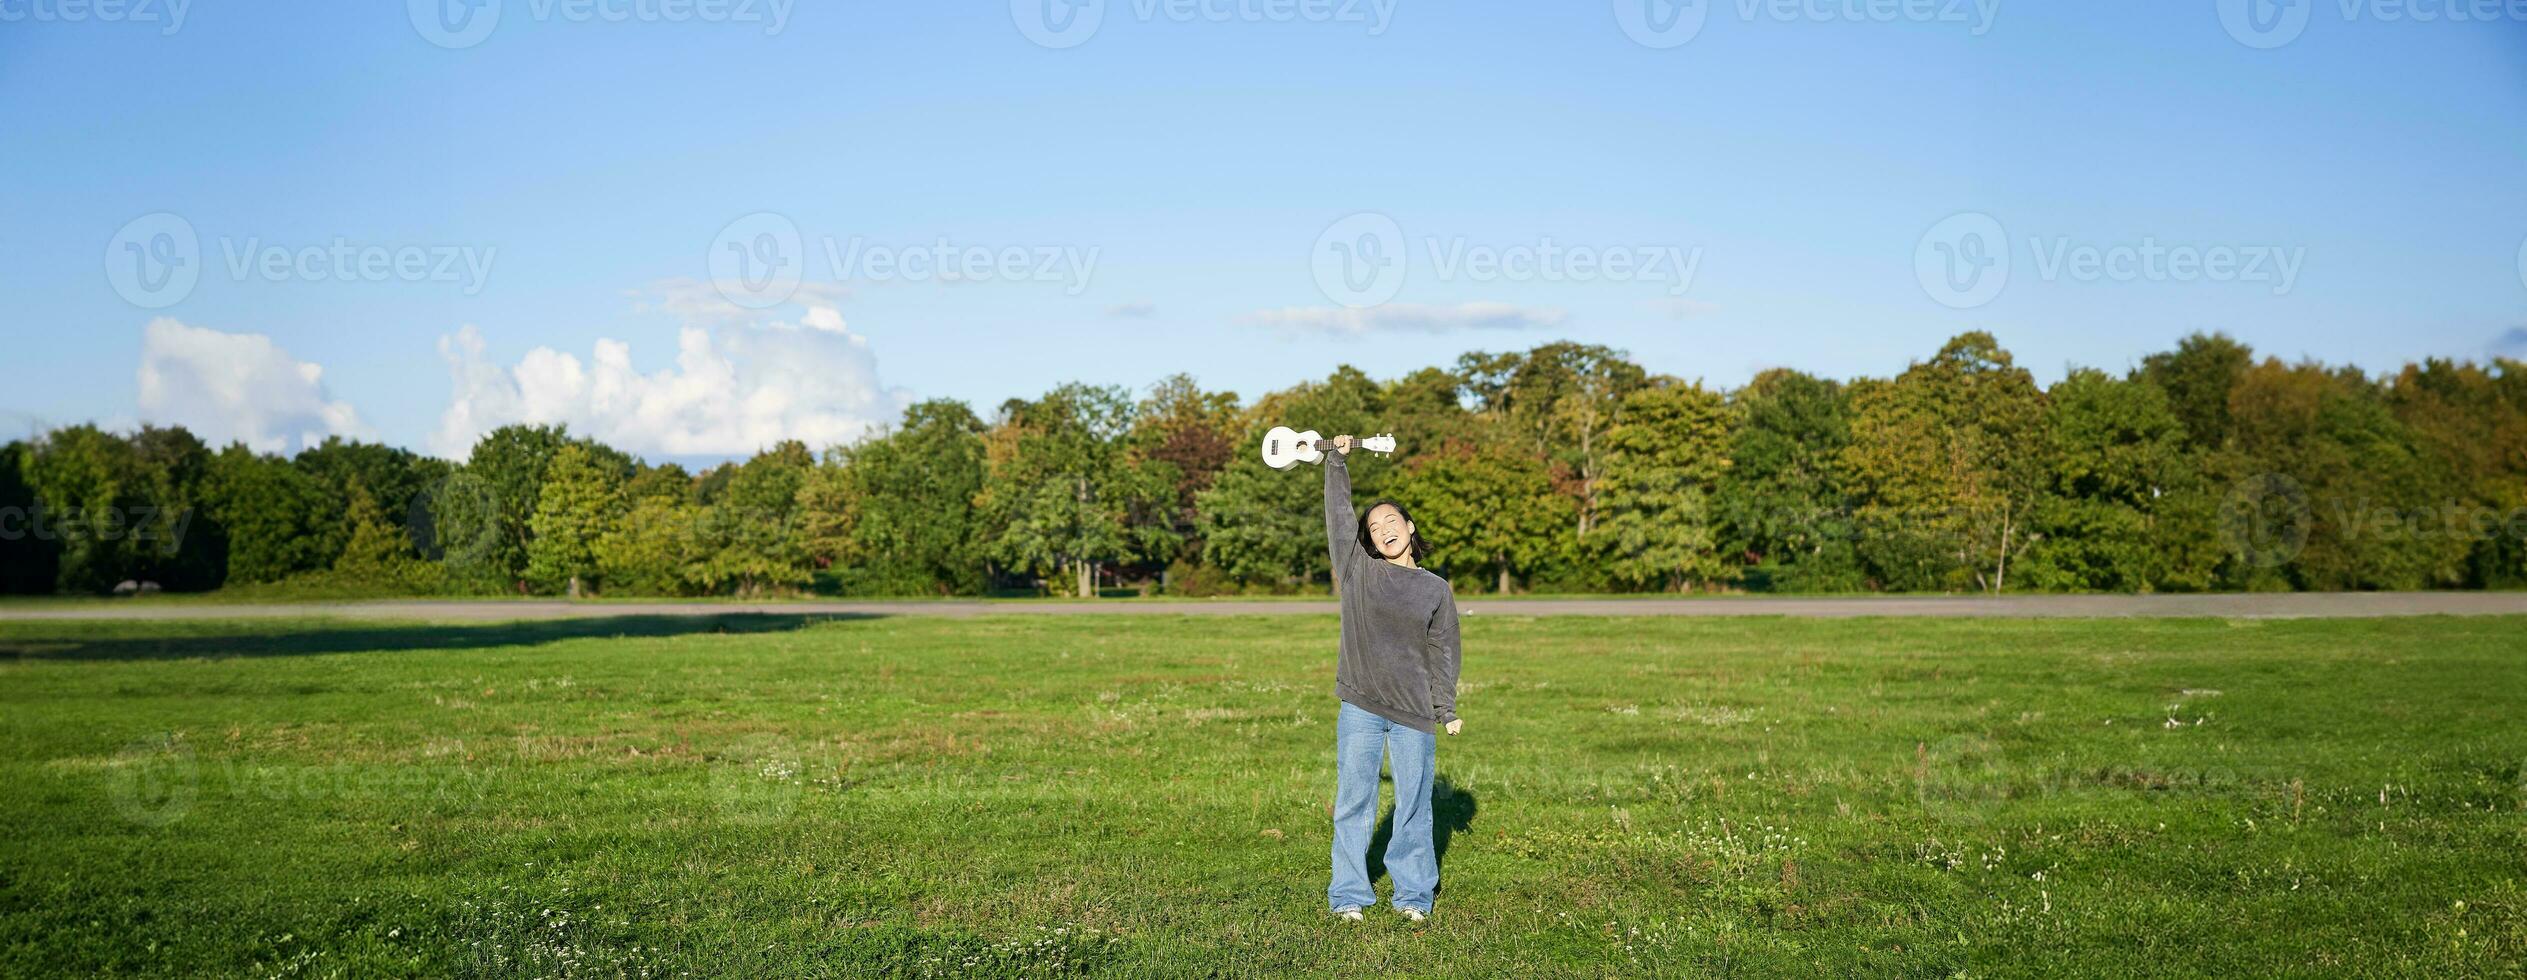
(1397, 678)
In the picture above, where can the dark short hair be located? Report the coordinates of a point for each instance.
(1419, 547)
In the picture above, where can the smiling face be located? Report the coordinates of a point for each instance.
(1389, 532)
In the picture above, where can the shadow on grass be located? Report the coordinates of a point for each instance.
(1451, 810)
(162, 641)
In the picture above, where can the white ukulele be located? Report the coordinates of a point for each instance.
(1282, 447)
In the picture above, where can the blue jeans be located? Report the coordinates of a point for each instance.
(1360, 737)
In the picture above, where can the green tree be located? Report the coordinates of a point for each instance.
(1491, 508)
(750, 539)
(655, 548)
(1424, 409)
(399, 479)
(493, 511)
(1948, 460)
(465, 538)
(30, 558)
(2359, 485)
(1783, 503)
(169, 545)
(1192, 431)
(377, 555)
(2119, 513)
(581, 500)
(894, 515)
(278, 520)
(1663, 465)
(1562, 397)
(1065, 495)
(2473, 420)
(371, 543)
(92, 486)
(667, 480)
(2198, 377)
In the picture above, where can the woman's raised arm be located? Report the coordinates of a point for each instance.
(1342, 528)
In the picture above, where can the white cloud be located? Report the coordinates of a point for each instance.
(1407, 318)
(736, 387)
(237, 387)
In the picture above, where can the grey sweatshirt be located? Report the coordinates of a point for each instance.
(1399, 625)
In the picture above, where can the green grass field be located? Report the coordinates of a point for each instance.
(1146, 795)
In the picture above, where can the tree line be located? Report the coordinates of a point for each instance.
(1564, 468)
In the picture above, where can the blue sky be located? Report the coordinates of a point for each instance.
(558, 189)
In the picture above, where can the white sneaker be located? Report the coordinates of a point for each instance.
(1410, 913)
(1348, 913)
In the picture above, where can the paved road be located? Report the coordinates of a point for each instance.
(2266, 606)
